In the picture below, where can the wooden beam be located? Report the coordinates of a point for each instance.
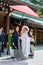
(40, 30)
(3, 13)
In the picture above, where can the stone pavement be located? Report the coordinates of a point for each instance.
(5, 57)
(26, 62)
(37, 60)
(13, 63)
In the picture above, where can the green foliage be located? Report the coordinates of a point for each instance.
(40, 13)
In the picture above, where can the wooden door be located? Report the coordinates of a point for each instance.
(39, 38)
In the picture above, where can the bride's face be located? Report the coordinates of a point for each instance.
(25, 31)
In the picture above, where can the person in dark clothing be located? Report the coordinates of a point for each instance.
(32, 42)
(1, 40)
(15, 40)
(15, 37)
(3, 33)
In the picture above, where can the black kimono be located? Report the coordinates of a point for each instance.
(15, 39)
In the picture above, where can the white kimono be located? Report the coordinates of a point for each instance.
(25, 44)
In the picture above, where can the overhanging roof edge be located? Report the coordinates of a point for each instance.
(24, 16)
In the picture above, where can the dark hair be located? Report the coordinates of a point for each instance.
(30, 29)
(0, 26)
(12, 27)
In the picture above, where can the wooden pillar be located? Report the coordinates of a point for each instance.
(35, 34)
(7, 23)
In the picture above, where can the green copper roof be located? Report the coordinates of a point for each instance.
(16, 14)
(34, 3)
(19, 15)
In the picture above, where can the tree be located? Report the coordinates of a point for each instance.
(40, 13)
